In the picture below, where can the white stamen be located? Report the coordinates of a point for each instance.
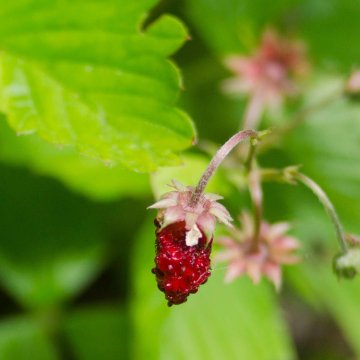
(193, 236)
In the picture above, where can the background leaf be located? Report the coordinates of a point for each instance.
(314, 280)
(97, 333)
(233, 26)
(47, 255)
(22, 338)
(322, 25)
(328, 151)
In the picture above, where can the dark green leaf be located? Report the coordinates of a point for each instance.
(99, 332)
(52, 243)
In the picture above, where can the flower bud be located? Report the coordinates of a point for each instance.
(348, 265)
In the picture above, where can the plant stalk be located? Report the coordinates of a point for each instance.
(217, 160)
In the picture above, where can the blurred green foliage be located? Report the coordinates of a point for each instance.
(93, 94)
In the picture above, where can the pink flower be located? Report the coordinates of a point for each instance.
(265, 256)
(175, 207)
(270, 72)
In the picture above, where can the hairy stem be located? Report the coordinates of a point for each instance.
(217, 160)
(329, 207)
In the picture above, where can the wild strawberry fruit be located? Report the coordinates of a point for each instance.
(185, 227)
(180, 269)
(183, 240)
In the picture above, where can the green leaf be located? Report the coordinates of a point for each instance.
(23, 338)
(52, 243)
(237, 321)
(82, 174)
(223, 321)
(95, 80)
(97, 333)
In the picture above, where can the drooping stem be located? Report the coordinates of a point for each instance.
(217, 160)
(329, 207)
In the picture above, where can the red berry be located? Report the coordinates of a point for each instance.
(180, 269)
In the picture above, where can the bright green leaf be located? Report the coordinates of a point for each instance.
(95, 80)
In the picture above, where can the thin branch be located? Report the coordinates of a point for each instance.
(217, 160)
